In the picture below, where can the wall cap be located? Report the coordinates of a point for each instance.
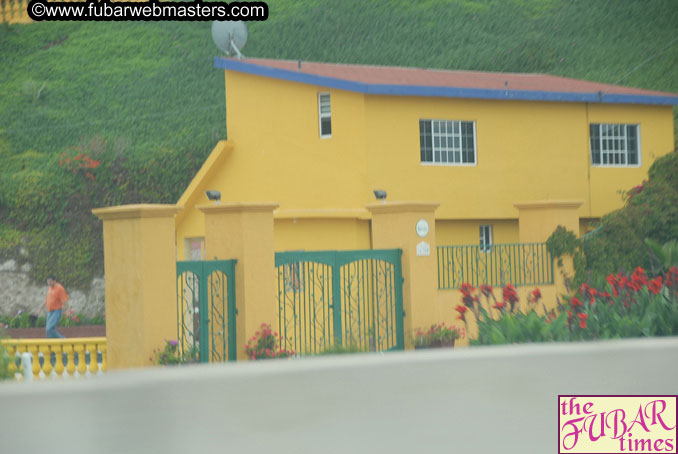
(136, 211)
(402, 207)
(310, 213)
(238, 207)
(548, 204)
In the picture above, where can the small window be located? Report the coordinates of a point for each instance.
(614, 145)
(485, 238)
(194, 249)
(324, 115)
(447, 142)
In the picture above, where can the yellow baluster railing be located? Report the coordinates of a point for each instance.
(74, 349)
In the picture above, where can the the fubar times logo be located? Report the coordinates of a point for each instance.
(617, 424)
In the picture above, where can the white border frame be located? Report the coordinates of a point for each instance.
(452, 164)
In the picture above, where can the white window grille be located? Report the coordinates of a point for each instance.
(614, 145)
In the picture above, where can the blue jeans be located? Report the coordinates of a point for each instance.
(53, 318)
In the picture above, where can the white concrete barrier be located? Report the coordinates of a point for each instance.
(477, 400)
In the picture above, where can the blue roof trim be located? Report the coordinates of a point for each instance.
(440, 92)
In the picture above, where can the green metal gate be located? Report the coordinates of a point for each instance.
(206, 310)
(340, 298)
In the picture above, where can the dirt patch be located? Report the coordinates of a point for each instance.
(72, 331)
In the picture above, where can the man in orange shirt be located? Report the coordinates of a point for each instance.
(56, 302)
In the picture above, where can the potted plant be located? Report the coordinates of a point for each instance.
(265, 345)
(437, 336)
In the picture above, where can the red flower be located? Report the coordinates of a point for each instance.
(569, 314)
(638, 278)
(486, 290)
(500, 305)
(574, 302)
(461, 309)
(655, 285)
(510, 293)
(466, 288)
(672, 277)
(535, 295)
(583, 316)
(582, 324)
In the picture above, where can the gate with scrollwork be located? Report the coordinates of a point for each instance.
(206, 310)
(331, 299)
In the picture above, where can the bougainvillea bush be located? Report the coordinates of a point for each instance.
(626, 306)
(265, 345)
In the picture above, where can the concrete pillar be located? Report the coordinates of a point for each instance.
(141, 293)
(244, 231)
(398, 225)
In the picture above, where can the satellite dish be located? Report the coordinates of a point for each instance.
(229, 36)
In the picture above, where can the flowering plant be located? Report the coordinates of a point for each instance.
(438, 335)
(634, 305)
(70, 318)
(171, 355)
(264, 345)
(76, 162)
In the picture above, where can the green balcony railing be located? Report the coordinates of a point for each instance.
(516, 263)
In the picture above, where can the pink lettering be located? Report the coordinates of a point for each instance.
(592, 419)
(639, 420)
(656, 415)
(574, 433)
(618, 419)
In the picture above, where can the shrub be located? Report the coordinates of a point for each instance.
(5, 360)
(340, 350)
(264, 345)
(650, 211)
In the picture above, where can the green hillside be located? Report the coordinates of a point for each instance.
(143, 98)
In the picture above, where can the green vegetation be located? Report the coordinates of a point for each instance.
(340, 350)
(5, 360)
(620, 306)
(69, 318)
(143, 98)
(651, 211)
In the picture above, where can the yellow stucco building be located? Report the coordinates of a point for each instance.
(319, 138)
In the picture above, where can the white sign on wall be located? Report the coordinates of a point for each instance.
(423, 249)
(422, 228)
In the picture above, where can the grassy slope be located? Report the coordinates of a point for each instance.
(150, 88)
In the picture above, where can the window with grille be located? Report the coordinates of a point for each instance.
(614, 145)
(447, 142)
(324, 115)
(485, 238)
